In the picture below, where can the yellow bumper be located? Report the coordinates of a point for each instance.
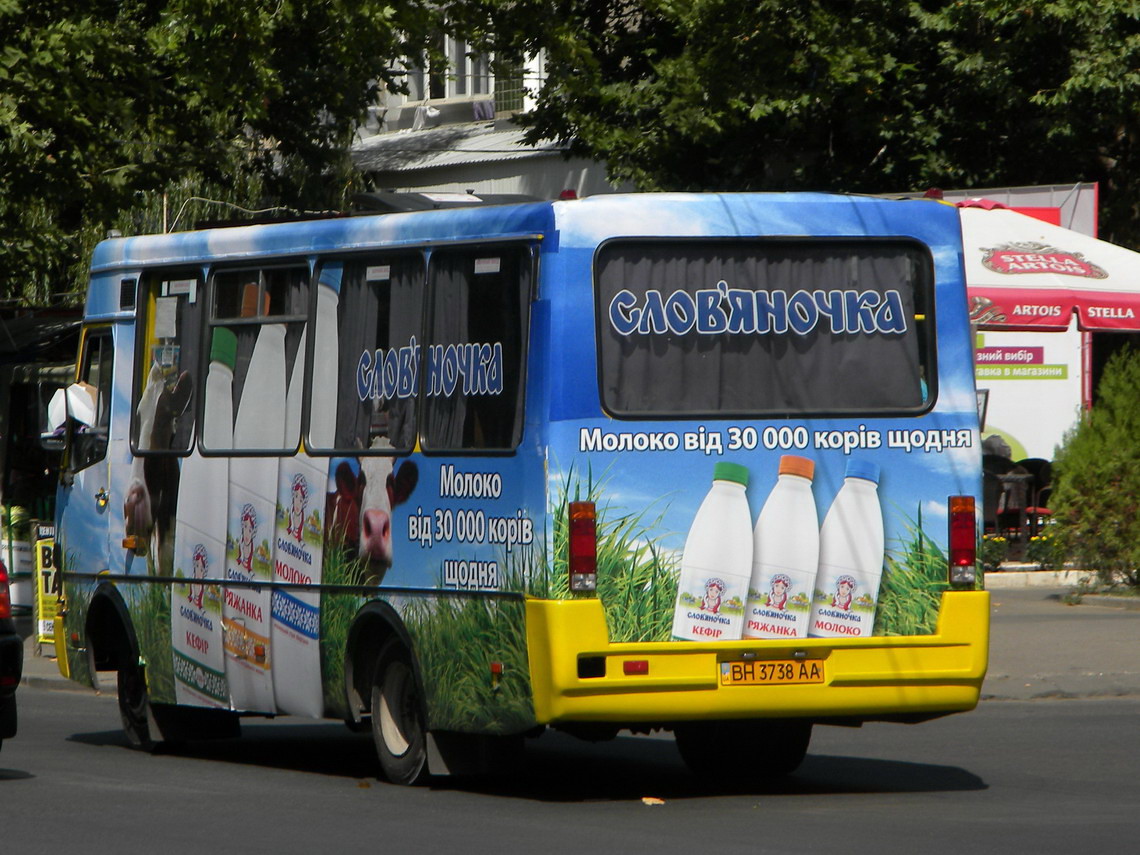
(863, 678)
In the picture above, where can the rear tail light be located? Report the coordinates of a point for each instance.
(5, 596)
(963, 542)
(583, 558)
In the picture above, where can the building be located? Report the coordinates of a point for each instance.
(454, 132)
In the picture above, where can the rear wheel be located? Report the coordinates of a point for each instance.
(398, 726)
(744, 751)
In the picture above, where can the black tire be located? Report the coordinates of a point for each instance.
(134, 705)
(744, 751)
(398, 720)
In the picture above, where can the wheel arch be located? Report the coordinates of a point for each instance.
(111, 638)
(375, 625)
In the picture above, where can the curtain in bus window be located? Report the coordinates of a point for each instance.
(475, 350)
(760, 328)
(446, 414)
(380, 311)
(172, 302)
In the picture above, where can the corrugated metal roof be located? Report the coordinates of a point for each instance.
(449, 145)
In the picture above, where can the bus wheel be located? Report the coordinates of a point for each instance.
(134, 707)
(398, 718)
(744, 751)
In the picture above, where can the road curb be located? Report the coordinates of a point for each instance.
(999, 580)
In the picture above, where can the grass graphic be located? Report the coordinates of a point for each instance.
(912, 586)
(338, 608)
(457, 639)
(75, 619)
(637, 578)
(149, 604)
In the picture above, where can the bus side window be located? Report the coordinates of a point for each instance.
(257, 329)
(475, 348)
(370, 353)
(88, 437)
(170, 312)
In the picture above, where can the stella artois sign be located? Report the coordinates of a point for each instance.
(1034, 257)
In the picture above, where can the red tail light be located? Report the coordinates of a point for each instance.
(5, 596)
(583, 558)
(963, 542)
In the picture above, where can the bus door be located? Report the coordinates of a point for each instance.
(86, 504)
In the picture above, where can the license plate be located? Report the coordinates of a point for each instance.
(771, 672)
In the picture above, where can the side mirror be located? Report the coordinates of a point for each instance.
(74, 403)
(54, 422)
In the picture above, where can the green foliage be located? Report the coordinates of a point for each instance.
(103, 106)
(15, 522)
(993, 550)
(1096, 497)
(1043, 551)
(867, 95)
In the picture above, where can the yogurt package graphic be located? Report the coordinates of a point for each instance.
(717, 561)
(850, 557)
(785, 555)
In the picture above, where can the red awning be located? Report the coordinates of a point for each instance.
(1023, 273)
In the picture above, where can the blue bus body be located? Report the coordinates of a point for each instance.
(441, 386)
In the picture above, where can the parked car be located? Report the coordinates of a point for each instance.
(11, 660)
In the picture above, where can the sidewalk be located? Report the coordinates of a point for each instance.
(1028, 576)
(1042, 648)
(1039, 646)
(41, 671)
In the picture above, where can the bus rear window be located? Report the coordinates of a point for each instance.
(764, 327)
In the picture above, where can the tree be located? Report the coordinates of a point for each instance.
(846, 95)
(1096, 501)
(106, 102)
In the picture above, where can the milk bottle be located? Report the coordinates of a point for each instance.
(785, 556)
(199, 542)
(299, 554)
(259, 424)
(717, 561)
(850, 558)
(322, 420)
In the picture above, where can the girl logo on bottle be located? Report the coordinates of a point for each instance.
(248, 532)
(844, 590)
(199, 566)
(300, 496)
(714, 588)
(778, 594)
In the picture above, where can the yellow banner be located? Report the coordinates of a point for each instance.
(47, 583)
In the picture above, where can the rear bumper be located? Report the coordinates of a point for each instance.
(865, 679)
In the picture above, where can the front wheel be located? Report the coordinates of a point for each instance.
(398, 726)
(744, 751)
(134, 706)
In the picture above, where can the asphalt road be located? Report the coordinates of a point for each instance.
(1047, 763)
(1017, 776)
